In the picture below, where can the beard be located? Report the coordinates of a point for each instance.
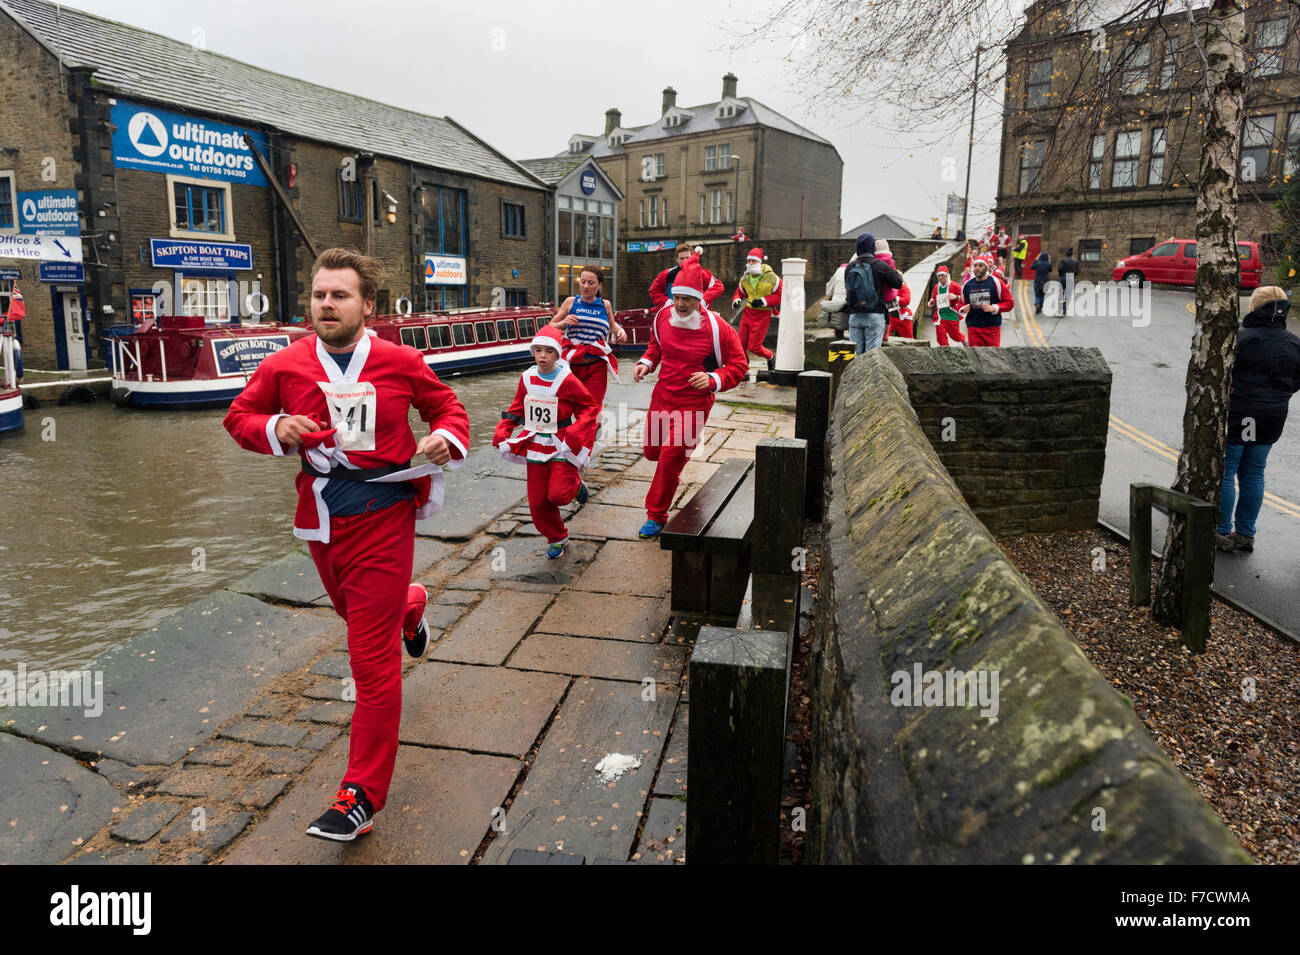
(337, 335)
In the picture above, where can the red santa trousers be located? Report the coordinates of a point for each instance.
(949, 328)
(984, 336)
(595, 377)
(366, 570)
(670, 436)
(899, 328)
(754, 324)
(551, 485)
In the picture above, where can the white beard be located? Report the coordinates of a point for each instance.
(691, 321)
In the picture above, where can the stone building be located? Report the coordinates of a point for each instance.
(1101, 131)
(704, 171)
(202, 186)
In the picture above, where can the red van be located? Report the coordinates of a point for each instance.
(1173, 262)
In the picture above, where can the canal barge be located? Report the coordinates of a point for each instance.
(178, 361)
(11, 397)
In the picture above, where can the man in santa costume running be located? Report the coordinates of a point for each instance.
(661, 288)
(760, 292)
(985, 299)
(698, 355)
(341, 398)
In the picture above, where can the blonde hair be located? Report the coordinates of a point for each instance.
(1265, 294)
(369, 271)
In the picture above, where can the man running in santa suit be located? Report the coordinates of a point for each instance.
(661, 287)
(341, 399)
(984, 298)
(698, 355)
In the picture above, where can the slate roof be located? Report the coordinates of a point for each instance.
(886, 226)
(138, 64)
(551, 169)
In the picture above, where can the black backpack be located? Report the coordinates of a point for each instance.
(860, 288)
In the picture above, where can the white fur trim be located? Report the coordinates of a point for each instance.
(276, 447)
(717, 380)
(451, 439)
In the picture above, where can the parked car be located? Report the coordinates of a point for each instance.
(1173, 262)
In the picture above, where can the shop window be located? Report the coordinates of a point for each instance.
(443, 297)
(439, 336)
(506, 329)
(463, 334)
(207, 297)
(199, 208)
(349, 196)
(1090, 250)
(512, 220)
(443, 214)
(485, 332)
(8, 203)
(144, 304)
(562, 282)
(415, 337)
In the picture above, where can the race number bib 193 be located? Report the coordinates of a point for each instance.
(541, 414)
(352, 412)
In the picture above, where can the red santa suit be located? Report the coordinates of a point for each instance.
(679, 348)
(900, 321)
(660, 296)
(761, 295)
(559, 419)
(364, 560)
(945, 300)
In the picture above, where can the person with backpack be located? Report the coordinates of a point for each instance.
(864, 283)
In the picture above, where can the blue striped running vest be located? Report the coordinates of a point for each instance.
(593, 321)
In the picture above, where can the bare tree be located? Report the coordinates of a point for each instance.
(918, 56)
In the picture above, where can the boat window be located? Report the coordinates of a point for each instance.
(464, 334)
(415, 337)
(527, 328)
(486, 333)
(439, 336)
(506, 329)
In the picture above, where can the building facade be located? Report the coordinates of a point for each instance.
(219, 211)
(1101, 133)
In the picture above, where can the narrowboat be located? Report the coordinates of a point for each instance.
(11, 397)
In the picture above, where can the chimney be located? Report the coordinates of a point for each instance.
(729, 86)
(613, 120)
(670, 100)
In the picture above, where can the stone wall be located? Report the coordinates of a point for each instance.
(1063, 772)
(1021, 430)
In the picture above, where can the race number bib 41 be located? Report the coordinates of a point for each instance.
(353, 412)
(541, 414)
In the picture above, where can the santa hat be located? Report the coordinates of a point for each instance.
(943, 269)
(690, 281)
(756, 254)
(548, 336)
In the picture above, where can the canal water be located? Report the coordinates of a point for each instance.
(98, 527)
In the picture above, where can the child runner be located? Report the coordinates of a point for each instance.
(559, 419)
(943, 306)
(587, 320)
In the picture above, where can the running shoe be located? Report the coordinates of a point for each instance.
(351, 815)
(649, 530)
(416, 638)
(1245, 543)
(583, 493)
(555, 550)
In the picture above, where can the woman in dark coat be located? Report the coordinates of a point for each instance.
(1265, 376)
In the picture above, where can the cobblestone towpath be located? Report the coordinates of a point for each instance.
(224, 729)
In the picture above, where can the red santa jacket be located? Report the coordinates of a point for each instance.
(949, 298)
(569, 406)
(660, 294)
(368, 405)
(681, 352)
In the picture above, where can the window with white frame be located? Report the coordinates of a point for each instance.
(1095, 159)
(1256, 144)
(715, 205)
(641, 219)
(654, 211)
(724, 156)
(660, 165)
(1128, 151)
(1156, 170)
(207, 297)
(710, 158)
(199, 209)
(8, 202)
(1270, 38)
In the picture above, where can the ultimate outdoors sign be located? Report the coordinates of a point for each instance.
(157, 140)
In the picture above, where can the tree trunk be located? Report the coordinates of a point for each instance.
(1214, 344)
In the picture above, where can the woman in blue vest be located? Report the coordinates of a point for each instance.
(587, 320)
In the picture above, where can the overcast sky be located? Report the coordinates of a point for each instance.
(526, 74)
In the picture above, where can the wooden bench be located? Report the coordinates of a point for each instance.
(710, 539)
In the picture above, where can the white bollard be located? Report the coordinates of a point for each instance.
(789, 360)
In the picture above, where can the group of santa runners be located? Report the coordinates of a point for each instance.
(340, 400)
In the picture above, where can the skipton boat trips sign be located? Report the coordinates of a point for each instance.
(240, 356)
(194, 256)
(157, 140)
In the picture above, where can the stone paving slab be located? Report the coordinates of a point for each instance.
(611, 616)
(439, 809)
(220, 828)
(481, 709)
(266, 734)
(482, 463)
(49, 803)
(470, 506)
(640, 568)
(332, 712)
(623, 494)
(167, 690)
(643, 470)
(563, 806)
(495, 628)
(522, 562)
(671, 780)
(146, 822)
(698, 472)
(118, 855)
(292, 579)
(663, 840)
(740, 441)
(603, 659)
(603, 521)
(200, 782)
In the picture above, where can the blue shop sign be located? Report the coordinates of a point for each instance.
(188, 255)
(158, 140)
(49, 212)
(588, 181)
(62, 273)
(664, 245)
(6, 274)
(241, 356)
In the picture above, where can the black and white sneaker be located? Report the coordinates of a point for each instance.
(416, 640)
(351, 815)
